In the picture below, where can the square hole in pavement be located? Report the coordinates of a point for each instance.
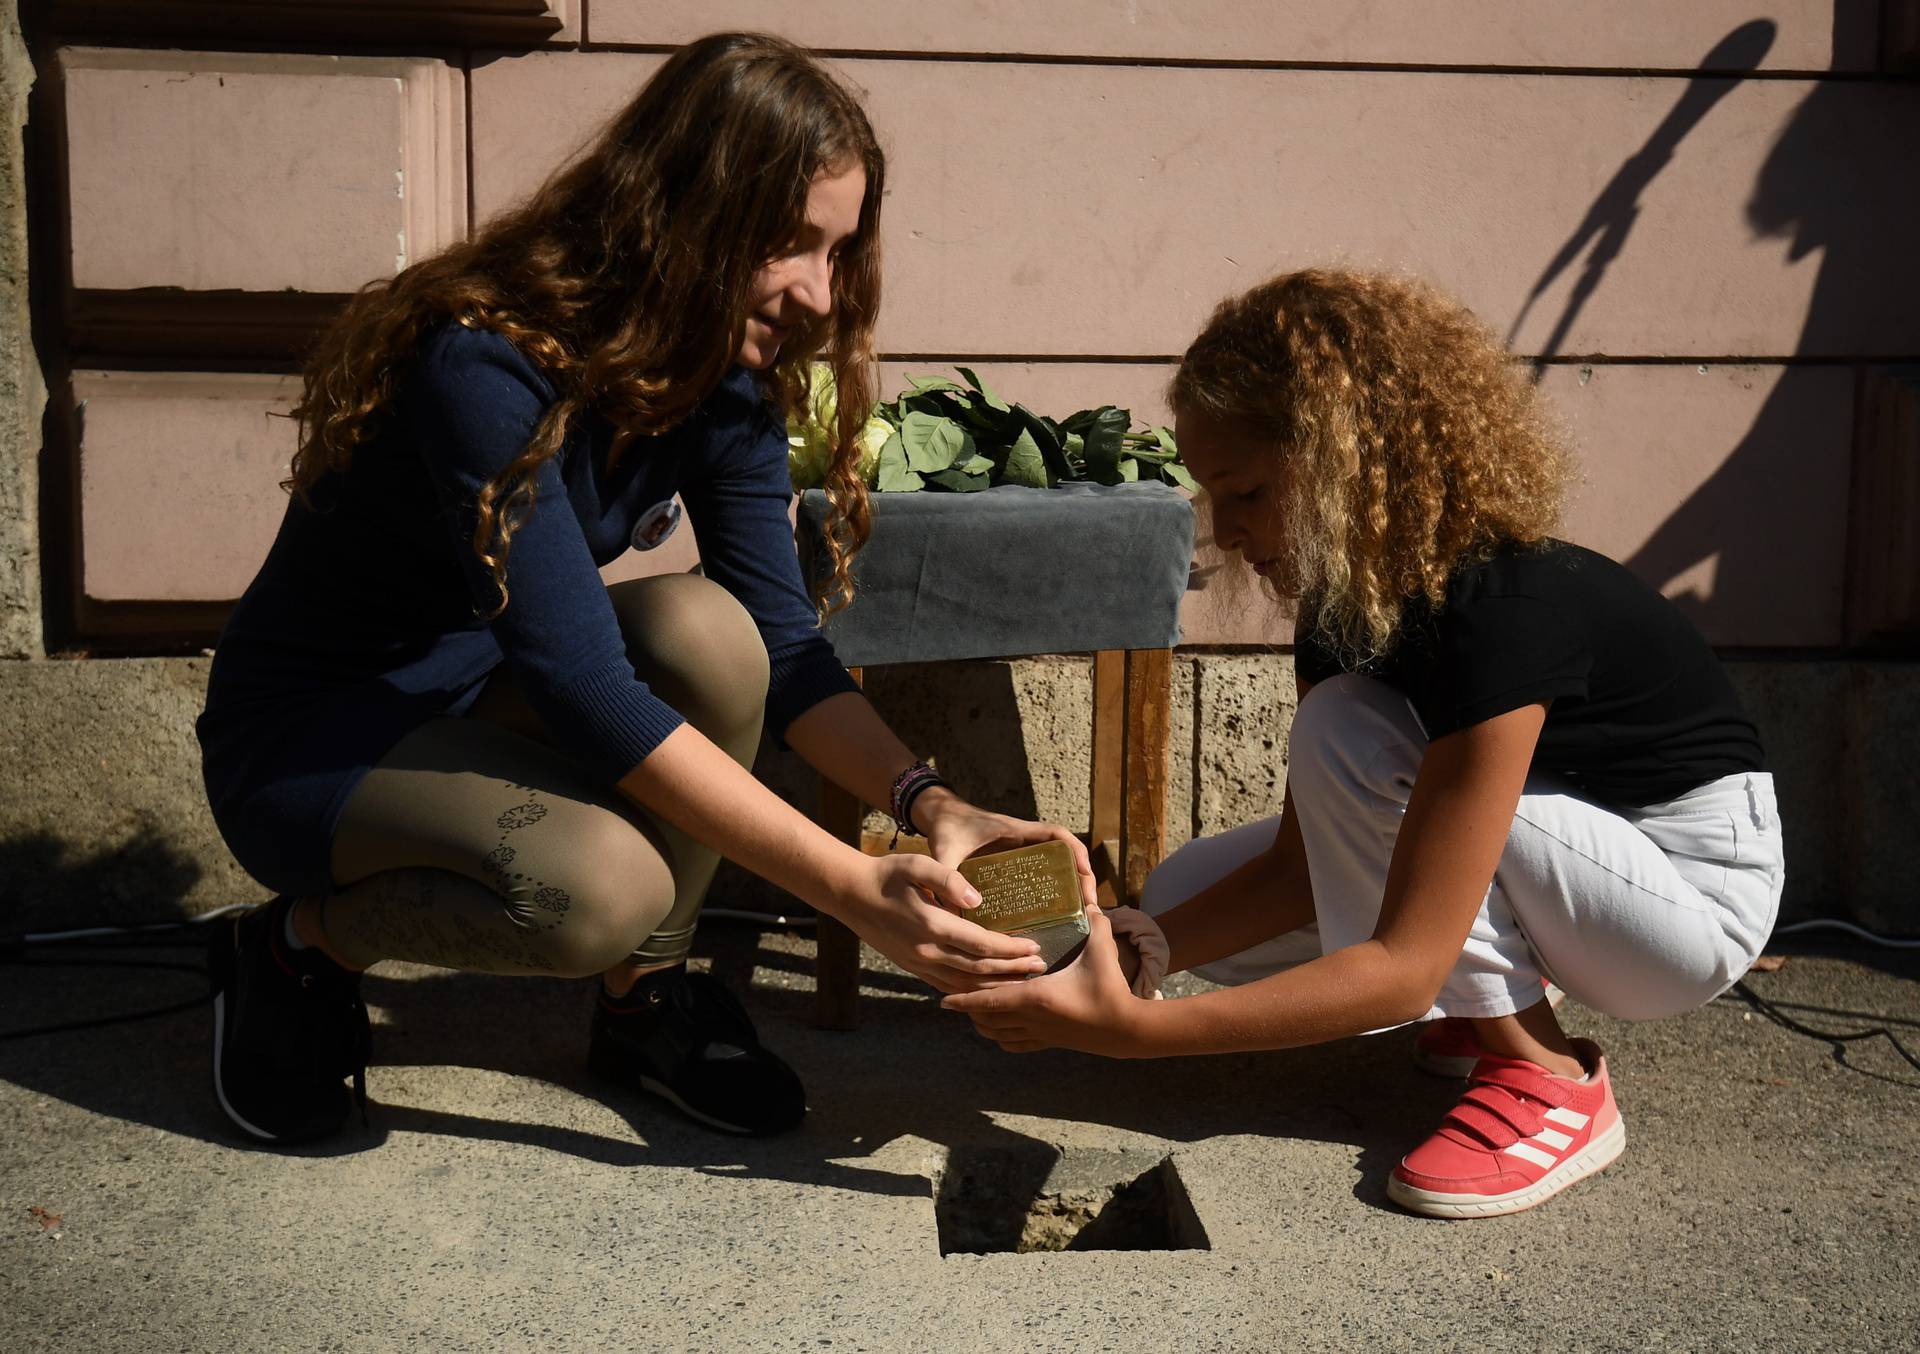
(1025, 1200)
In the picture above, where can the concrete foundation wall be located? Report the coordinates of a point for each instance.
(21, 393)
(102, 818)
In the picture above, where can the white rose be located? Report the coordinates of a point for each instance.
(810, 439)
(873, 436)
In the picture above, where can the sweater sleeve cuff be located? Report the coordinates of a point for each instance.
(798, 681)
(610, 719)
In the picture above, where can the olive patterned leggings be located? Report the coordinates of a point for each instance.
(475, 844)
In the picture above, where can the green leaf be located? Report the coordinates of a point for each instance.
(923, 385)
(896, 476)
(975, 465)
(1164, 436)
(933, 443)
(992, 427)
(1045, 435)
(1104, 438)
(933, 406)
(993, 400)
(958, 482)
(1129, 469)
(1178, 474)
(1025, 463)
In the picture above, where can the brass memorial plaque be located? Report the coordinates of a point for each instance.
(1031, 891)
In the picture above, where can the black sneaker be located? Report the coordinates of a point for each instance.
(289, 1029)
(685, 1038)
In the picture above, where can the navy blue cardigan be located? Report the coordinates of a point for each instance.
(365, 620)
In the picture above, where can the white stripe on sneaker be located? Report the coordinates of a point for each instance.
(1596, 1155)
(1571, 1118)
(1556, 1140)
(1528, 1152)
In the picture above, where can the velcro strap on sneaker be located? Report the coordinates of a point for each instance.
(1495, 1117)
(1523, 1079)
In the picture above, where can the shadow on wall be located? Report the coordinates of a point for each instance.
(1816, 199)
(1819, 199)
(964, 716)
(1603, 232)
(48, 883)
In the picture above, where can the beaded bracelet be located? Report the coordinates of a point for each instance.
(906, 788)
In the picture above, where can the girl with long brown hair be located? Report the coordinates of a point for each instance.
(1512, 761)
(436, 733)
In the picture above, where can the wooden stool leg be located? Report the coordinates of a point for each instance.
(1109, 758)
(836, 967)
(1143, 833)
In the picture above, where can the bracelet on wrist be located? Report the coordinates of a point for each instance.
(912, 797)
(907, 787)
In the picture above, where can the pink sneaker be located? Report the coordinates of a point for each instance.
(1447, 1047)
(1518, 1137)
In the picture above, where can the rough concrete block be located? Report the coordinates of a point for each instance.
(1881, 781)
(1013, 736)
(1800, 710)
(103, 815)
(103, 818)
(1840, 737)
(1016, 736)
(21, 391)
(1244, 707)
(1180, 742)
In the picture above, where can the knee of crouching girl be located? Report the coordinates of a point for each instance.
(698, 647)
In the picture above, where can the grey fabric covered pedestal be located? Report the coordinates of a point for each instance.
(1006, 573)
(1009, 572)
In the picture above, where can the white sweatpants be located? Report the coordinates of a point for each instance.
(1637, 913)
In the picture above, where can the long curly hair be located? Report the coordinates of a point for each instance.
(1405, 441)
(627, 278)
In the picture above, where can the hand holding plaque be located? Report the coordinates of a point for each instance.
(1033, 891)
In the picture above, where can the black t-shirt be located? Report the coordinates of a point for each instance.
(1641, 709)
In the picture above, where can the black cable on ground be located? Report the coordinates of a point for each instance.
(1838, 1040)
(119, 1018)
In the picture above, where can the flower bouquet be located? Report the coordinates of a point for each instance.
(959, 438)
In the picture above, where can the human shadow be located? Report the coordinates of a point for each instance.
(1786, 479)
(912, 1078)
(974, 732)
(910, 1074)
(1818, 197)
(49, 883)
(1603, 231)
(979, 739)
(889, 1101)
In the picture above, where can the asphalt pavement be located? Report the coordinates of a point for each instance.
(501, 1200)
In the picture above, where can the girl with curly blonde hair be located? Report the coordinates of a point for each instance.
(1512, 761)
(442, 739)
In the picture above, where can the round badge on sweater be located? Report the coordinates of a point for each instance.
(656, 524)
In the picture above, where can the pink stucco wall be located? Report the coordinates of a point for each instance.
(1711, 261)
(1813, 35)
(260, 173)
